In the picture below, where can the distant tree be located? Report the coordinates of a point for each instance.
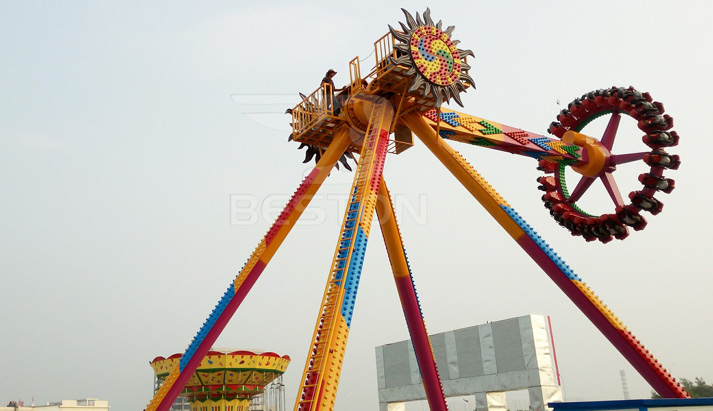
(697, 388)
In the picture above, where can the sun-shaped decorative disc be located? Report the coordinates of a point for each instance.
(435, 56)
(432, 57)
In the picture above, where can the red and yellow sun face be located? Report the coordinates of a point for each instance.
(438, 67)
(435, 56)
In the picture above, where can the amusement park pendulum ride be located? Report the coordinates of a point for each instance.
(417, 68)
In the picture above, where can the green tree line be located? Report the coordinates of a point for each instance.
(697, 388)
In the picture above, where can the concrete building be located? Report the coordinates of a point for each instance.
(85, 404)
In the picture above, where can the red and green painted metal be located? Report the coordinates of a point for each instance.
(416, 70)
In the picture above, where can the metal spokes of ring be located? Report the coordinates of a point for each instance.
(656, 126)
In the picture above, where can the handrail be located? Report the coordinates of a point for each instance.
(383, 49)
(355, 81)
(312, 108)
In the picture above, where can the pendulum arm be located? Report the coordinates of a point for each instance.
(568, 281)
(236, 292)
(468, 129)
(324, 361)
(409, 300)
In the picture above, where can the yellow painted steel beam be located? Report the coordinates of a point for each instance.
(174, 383)
(320, 378)
(464, 172)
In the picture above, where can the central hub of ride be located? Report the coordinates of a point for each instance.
(597, 154)
(358, 109)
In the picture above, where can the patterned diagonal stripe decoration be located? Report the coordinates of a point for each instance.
(543, 142)
(489, 128)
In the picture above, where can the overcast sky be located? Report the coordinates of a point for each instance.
(128, 129)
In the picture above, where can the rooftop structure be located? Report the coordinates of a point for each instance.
(85, 404)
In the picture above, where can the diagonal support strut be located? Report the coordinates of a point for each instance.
(409, 300)
(233, 297)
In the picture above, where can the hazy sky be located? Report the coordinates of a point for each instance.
(126, 127)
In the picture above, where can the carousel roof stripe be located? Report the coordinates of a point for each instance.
(227, 353)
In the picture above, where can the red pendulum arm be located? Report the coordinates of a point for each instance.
(409, 300)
